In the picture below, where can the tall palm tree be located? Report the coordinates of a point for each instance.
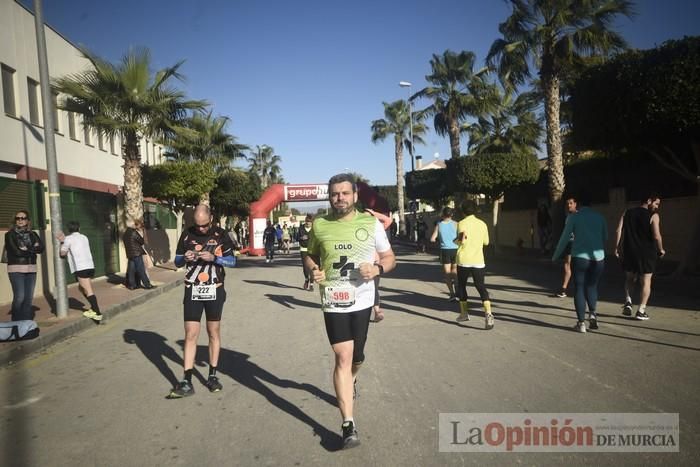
(125, 99)
(512, 126)
(551, 35)
(266, 165)
(397, 122)
(205, 138)
(457, 92)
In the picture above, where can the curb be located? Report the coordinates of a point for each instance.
(23, 349)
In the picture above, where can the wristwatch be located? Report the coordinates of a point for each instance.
(381, 268)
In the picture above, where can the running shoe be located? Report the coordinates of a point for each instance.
(562, 293)
(213, 384)
(593, 323)
(489, 321)
(183, 389)
(627, 309)
(463, 316)
(350, 436)
(580, 327)
(306, 284)
(92, 314)
(311, 288)
(641, 316)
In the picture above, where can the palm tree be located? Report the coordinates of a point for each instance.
(266, 165)
(551, 35)
(457, 92)
(512, 126)
(397, 122)
(204, 138)
(125, 99)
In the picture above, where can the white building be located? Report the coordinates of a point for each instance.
(89, 166)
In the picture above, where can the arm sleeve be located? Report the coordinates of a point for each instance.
(381, 241)
(564, 238)
(227, 259)
(180, 250)
(36, 239)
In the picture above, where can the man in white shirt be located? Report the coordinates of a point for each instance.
(76, 247)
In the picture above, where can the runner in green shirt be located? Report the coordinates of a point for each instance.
(341, 258)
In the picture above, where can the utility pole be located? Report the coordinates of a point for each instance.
(51, 167)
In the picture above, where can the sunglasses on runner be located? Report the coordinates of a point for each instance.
(19, 218)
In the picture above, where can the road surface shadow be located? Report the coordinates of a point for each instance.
(276, 284)
(239, 368)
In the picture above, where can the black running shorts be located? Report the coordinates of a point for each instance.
(448, 256)
(84, 274)
(349, 326)
(212, 308)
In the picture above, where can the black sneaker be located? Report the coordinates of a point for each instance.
(561, 293)
(311, 288)
(183, 389)
(350, 437)
(593, 323)
(213, 384)
(641, 316)
(627, 309)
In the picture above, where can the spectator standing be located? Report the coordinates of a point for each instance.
(22, 245)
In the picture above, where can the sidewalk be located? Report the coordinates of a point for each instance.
(112, 297)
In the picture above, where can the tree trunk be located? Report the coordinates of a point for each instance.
(398, 152)
(454, 138)
(204, 199)
(133, 189)
(555, 162)
(178, 227)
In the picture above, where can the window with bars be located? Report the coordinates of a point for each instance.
(71, 126)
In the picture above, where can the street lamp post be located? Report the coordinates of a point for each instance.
(406, 84)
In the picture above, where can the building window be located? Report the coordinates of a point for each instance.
(87, 137)
(100, 141)
(8, 90)
(71, 126)
(112, 145)
(56, 115)
(33, 91)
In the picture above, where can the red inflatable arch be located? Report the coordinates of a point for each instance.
(278, 193)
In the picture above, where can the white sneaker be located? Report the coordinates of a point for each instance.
(580, 327)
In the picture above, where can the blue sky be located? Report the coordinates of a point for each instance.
(308, 77)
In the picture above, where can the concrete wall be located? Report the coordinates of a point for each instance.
(678, 218)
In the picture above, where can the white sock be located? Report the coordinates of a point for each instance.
(349, 420)
(628, 299)
(642, 308)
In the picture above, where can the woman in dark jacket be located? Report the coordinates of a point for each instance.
(136, 270)
(22, 245)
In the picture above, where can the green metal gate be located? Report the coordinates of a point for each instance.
(97, 214)
(21, 194)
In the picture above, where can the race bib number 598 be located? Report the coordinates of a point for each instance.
(341, 297)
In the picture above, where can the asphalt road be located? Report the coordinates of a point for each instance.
(99, 398)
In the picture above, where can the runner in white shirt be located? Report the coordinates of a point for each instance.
(76, 247)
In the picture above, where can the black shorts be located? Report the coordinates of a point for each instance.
(84, 274)
(350, 326)
(448, 256)
(644, 263)
(212, 308)
(567, 249)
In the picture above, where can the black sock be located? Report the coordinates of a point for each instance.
(212, 371)
(93, 304)
(188, 375)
